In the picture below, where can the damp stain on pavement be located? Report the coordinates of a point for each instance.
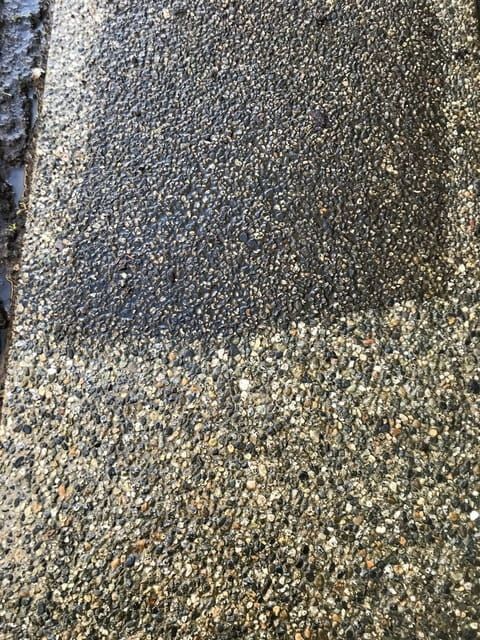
(284, 164)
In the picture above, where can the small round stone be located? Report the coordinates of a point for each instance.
(130, 561)
(244, 384)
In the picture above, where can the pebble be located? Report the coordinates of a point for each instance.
(244, 384)
(130, 561)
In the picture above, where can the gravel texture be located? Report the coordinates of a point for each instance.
(244, 388)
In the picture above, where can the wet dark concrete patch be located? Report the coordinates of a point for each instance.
(262, 176)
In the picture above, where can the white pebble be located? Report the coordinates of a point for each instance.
(37, 73)
(244, 384)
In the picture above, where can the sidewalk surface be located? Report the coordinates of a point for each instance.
(243, 396)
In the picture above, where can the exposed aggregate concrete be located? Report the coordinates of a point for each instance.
(234, 412)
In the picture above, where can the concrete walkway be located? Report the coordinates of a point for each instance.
(243, 392)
